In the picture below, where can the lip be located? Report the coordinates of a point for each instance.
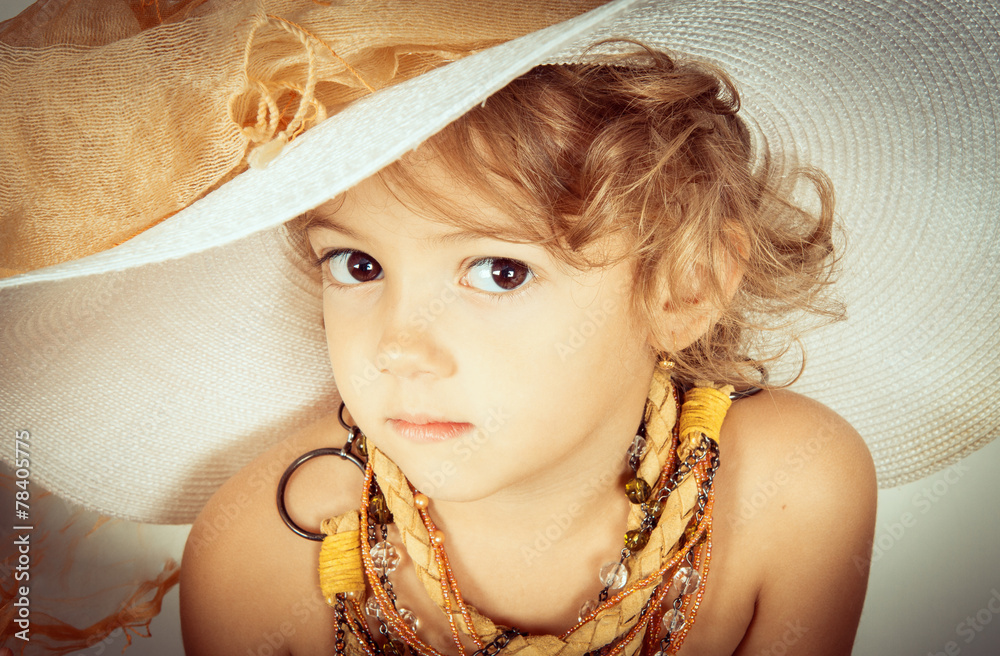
(428, 430)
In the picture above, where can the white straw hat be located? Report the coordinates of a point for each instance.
(149, 373)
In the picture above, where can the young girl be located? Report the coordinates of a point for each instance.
(536, 320)
(514, 313)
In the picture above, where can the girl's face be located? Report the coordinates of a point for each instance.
(479, 366)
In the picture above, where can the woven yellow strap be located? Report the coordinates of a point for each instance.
(406, 517)
(340, 569)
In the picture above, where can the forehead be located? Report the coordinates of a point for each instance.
(424, 190)
(421, 189)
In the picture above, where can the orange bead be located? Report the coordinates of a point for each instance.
(437, 537)
(421, 501)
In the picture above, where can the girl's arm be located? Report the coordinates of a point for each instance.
(248, 584)
(802, 501)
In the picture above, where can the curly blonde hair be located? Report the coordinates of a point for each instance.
(652, 150)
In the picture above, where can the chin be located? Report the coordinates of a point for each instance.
(449, 481)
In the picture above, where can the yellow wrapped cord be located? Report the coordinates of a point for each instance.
(703, 411)
(340, 569)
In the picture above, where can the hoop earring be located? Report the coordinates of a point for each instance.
(356, 444)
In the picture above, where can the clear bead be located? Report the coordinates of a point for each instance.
(637, 448)
(372, 608)
(673, 621)
(614, 575)
(586, 609)
(686, 580)
(384, 557)
(409, 618)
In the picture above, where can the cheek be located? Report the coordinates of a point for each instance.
(352, 370)
(601, 336)
(579, 363)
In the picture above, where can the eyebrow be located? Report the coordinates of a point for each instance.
(457, 236)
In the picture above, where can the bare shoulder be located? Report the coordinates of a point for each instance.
(802, 445)
(246, 580)
(796, 494)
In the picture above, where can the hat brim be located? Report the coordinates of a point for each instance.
(140, 406)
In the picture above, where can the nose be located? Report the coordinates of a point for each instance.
(411, 344)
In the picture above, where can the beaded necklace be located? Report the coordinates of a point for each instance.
(650, 596)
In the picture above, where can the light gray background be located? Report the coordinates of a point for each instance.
(936, 561)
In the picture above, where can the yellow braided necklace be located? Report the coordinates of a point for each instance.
(650, 595)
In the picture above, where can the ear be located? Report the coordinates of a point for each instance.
(693, 304)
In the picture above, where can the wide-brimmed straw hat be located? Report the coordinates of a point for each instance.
(149, 372)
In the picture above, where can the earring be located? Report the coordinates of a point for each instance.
(664, 362)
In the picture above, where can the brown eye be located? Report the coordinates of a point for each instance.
(352, 267)
(497, 274)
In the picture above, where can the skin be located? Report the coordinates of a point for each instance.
(795, 496)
